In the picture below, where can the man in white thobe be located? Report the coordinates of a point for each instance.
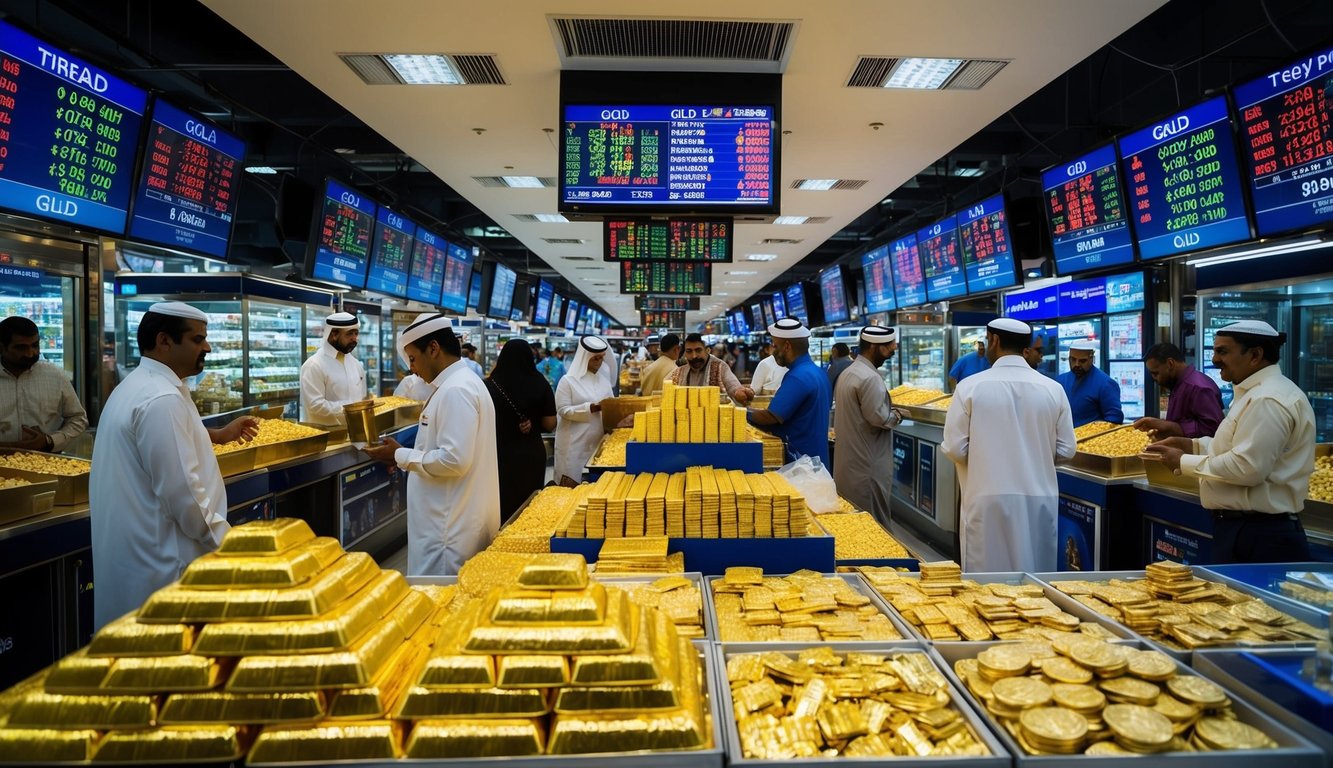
(863, 420)
(332, 377)
(453, 483)
(767, 376)
(1006, 429)
(578, 404)
(156, 496)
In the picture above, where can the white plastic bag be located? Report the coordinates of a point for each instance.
(808, 475)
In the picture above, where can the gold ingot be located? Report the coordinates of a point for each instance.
(176, 604)
(127, 636)
(678, 688)
(41, 745)
(637, 548)
(614, 635)
(441, 739)
(584, 606)
(162, 674)
(223, 707)
(174, 744)
(522, 671)
(265, 537)
(555, 571)
(647, 663)
(54, 710)
(333, 631)
(78, 673)
(368, 740)
(421, 703)
(379, 698)
(449, 667)
(287, 569)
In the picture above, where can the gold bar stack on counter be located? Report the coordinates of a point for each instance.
(1082, 695)
(675, 596)
(647, 554)
(689, 415)
(861, 704)
(803, 607)
(1173, 607)
(265, 647)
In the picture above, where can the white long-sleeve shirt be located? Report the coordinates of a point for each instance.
(40, 397)
(767, 376)
(578, 430)
(330, 380)
(1262, 456)
(156, 496)
(413, 387)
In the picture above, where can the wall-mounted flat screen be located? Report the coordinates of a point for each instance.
(878, 277)
(674, 277)
(667, 240)
(391, 253)
(339, 249)
(426, 277)
(1085, 210)
(541, 313)
(502, 292)
(457, 272)
(833, 295)
(571, 315)
(909, 284)
(988, 253)
(941, 263)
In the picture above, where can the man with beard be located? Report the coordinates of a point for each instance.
(156, 497)
(332, 377)
(39, 410)
(864, 422)
(799, 411)
(704, 370)
(1093, 396)
(1195, 407)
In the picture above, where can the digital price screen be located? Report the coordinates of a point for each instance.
(457, 274)
(657, 318)
(739, 322)
(988, 253)
(662, 156)
(909, 285)
(188, 183)
(502, 292)
(666, 303)
(766, 307)
(678, 277)
(878, 269)
(68, 135)
(341, 243)
(834, 295)
(672, 240)
(426, 275)
(391, 254)
(1085, 209)
(779, 304)
(571, 315)
(1288, 144)
(541, 314)
(796, 303)
(941, 263)
(1184, 182)
(757, 317)
(556, 318)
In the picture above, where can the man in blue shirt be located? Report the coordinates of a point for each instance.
(1093, 396)
(972, 362)
(799, 411)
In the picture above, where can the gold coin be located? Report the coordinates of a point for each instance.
(1021, 692)
(1196, 690)
(1175, 709)
(1151, 665)
(1081, 698)
(1062, 670)
(1066, 644)
(1219, 733)
(1139, 725)
(1054, 725)
(1130, 689)
(1100, 657)
(1106, 748)
(1005, 659)
(965, 667)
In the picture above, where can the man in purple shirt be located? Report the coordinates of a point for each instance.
(1195, 407)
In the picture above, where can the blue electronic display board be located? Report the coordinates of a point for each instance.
(427, 272)
(833, 293)
(1094, 296)
(68, 135)
(571, 315)
(391, 254)
(795, 303)
(909, 285)
(1184, 184)
(988, 252)
(779, 304)
(457, 272)
(878, 269)
(1285, 120)
(668, 156)
(340, 246)
(188, 183)
(541, 314)
(1085, 209)
(941, 263)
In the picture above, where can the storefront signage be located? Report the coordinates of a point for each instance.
(925, 474)
(1170, 542)
(13, 274)
(1077, 533)
(1118, 293)
(904, 467)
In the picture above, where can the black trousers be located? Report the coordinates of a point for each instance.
(1259, 538)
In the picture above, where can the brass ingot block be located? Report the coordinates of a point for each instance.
(78, 673)
(650, 661)
(265, 537)
(584, 606)
(420, 703)
(127, 636)
(439, 739)
(42, 745)
(366, 740)
(521, 671)
(555, 571)
(174, 744)
(223, 707)
(287, 569)
(54, 710)
(162, 674)
(614, 635)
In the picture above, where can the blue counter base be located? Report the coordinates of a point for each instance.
(712, 557)
(677, 457)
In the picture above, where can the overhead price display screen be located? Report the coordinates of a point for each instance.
(834, 295)
(941, 263)
(878, 269)
(687, 156)
(457, 277)
(427, 273)
(571, 314)
(672, 240)
(341, 244)
(796, 303)
(1184, 182)
(690, 278)
(909, 285)
(502, 292)
(779, 304)
(188, 183)
(68, 135)
(1288, 144)
(1085, 209)
(988, 254)
(391, 254)
(666, 303)
(541, 314)
(662, 319)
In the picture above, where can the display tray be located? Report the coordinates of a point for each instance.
(998, 758)
(924, 414)
(276, 453)
(237, 462)
(1304, 709)
(35, 498)
(1160, 476)
(1293, 751)
(1265, 578)
(1107, 466)
(696, 578)
(70, 489)
(856, 583)
(407, 415)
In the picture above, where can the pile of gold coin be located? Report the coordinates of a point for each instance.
(914, 396)
(857, 536)
(612, 452)
(270, 431)
(1093, 428)
(45, 464)
(1121, 442)
(803, 607)
(940, 405)
(388, 403)
(1082, 695)
(13, 482)
(531, 530)
(1321, 482)
(822, 703)
(1173, 607)
(676, 596)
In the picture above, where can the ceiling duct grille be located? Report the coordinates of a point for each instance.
(778, 241)
(840, 184)
(703, 39)
(971, 75)
(974, 73)
(370, 68)
(563, 240)
(871, 72)
(478, 69)
(474, 69)
(498, 182)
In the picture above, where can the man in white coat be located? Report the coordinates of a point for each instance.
(453, 483)
(767, 376)
(578, 404)
(1006, 429)
(332, 377)
(156, 496)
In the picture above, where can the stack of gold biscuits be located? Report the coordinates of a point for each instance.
(1082, 695)
(823, 703)
(1172, 606)
(803, 607)
(690, 415)
(646, 554)
(276, 627)
(944, 606)
(676, 596)
(556, 664)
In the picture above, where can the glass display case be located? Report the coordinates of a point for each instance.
(48, 301)
(1273, 306)
(921, 348)
(372, 349)
(273, 352)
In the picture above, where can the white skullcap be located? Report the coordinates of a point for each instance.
(593, 344)
(179, 309)
(1251, 328)
(342, 320)
(652, 340)
(425, 325)
(1009, 325)
(878, 334)
(1086, 345)
(789, 328)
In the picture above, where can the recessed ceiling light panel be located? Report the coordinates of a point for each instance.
(423, 69)
(922, 73)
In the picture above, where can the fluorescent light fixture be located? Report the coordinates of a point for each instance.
(522, 182)
(1259, 252)
(922, 74)
(791, 219)
(550, 218)
(761, 257)
(818, 185)
(423, 69)
(742, 272)
(263, 170)
(967, 171)
(721, 294)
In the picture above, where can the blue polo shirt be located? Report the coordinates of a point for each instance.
(802, 402)
(967, 365)
(1095, 397)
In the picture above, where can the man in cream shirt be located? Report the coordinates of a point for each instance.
(332, 377)
(1254, 474)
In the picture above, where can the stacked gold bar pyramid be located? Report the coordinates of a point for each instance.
(691, 415)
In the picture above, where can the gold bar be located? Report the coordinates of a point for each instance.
(175, 604)
(365, 740)
(174, 744)
(521, 671)
(421, 702)
(555, 571)
(440, 739)
(127, 636)
(40, 745)
(222, 707)
(288, 569)
(53, 710)
(162, 674)
(615, 635)
(650, 661)
(265, 537)
(586, 734)
(379, 698)
(450, 667)
(78, 673)
(584, 606)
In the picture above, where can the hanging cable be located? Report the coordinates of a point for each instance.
(1264, 5)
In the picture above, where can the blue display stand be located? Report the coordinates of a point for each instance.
(712, 557)
(1278, 678)
(677, 457)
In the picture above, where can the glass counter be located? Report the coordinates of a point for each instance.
(273, 354)
(922, 350)
(221, 385)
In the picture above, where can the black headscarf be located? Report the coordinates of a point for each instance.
(515, 366)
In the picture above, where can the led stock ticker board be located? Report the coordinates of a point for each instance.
(1287, 141)
(457, 275)
(667, 240)
(667, 156)
(941, 264)
(677, 277)
(1184, 182)
(667, 303)
(391, 254)
(988, 253)
(909, 285)
(340, 246)
(68, 135)
(1085, 209)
